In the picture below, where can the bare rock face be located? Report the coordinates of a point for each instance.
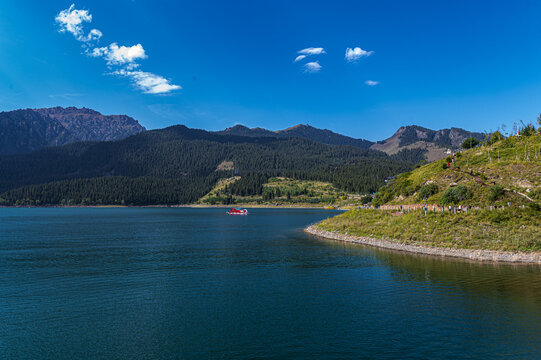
(23, 131)
(435, 142)
(89, 125)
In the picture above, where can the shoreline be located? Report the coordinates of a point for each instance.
(468, 254)
(171, 206)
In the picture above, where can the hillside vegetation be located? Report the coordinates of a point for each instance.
(512, 229)
(498, 183)
(277, 191)
(178, 165)
(508, 170)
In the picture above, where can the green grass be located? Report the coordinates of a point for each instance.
(484, 176)
(304, 193)
(512, 229)
(513, 163)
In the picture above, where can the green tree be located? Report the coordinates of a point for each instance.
(470, 143)
(495, 137)
(495, 192)
(456, 194)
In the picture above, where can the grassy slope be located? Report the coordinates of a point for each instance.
(515, 164)
(508, 230)
(218, 188)
(317, 193)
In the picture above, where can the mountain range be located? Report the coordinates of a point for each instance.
(23, 131)
(434, 143)
(84, 157)
(305, 131)
(26, 130)
(179, 165)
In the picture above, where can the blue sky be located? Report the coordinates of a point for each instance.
(214, 64)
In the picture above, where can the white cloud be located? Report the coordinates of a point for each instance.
(312, 51)
(312, 67)
(356, 53)
(371, 82)
(120, 55)
(71, 20)
(149, 83)
(299, 58)
(93, 35)
(122, 58)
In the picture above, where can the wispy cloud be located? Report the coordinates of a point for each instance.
(354, 54)
(371, 82)
(312, 51)
(122, 60)
(66, 96)
(312, 67)
(147, 82)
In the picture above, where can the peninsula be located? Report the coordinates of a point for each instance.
(481, 203)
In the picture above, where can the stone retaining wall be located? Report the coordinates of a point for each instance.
(478, 255)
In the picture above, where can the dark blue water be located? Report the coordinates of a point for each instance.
(197, 284)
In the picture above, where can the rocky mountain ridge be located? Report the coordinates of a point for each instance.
(27, 130)
(23, 131)
(435, 143)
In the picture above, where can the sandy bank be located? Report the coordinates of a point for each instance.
(477, 255)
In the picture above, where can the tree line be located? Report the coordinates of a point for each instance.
(178, 165)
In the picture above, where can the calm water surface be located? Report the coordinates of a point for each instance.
(155, 283)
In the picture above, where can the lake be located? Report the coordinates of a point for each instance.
(181, 283)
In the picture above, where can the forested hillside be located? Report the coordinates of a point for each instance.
(179, 165)
(304, 131)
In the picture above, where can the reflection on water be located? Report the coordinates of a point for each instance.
(520, 282)
(196, 283)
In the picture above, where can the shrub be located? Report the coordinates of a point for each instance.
(366, 199)
(495, 137)
(456, 194)
(427, 191)
(495, 192)
(444, 165)
(535, 207)
(470, 143)
(528, 130)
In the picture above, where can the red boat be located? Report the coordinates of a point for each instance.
(234, 211)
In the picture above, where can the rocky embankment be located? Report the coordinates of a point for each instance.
(477, 255)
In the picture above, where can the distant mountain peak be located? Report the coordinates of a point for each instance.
(237, 127)
(435, 142)
(31, 129)
(298, 126)
(58, 109)
(300, 130)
